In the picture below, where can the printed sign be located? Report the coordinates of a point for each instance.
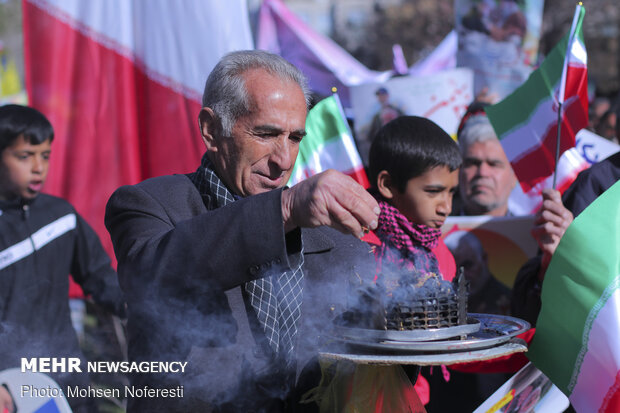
(506, 240)
(527, 391)
(442, 97)
(498, 39)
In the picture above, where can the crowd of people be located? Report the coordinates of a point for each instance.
(240, 276)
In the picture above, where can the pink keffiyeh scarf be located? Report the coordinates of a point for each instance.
(414, 242)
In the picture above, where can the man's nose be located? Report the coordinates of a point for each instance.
(284, 154)
(484, 169)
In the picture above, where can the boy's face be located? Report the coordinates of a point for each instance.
(427, 199)
(23, 169)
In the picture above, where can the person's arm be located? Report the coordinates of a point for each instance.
(230, 245)
(550, 224)
(92, 270)
(169, 240)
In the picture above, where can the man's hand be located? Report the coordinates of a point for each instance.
(6, 402)
(550, 224)
(330, 198)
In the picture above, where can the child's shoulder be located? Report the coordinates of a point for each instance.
(55, 203)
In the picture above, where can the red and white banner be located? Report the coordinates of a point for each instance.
(121, 82)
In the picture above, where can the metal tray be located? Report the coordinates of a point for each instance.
(494, 330)
(364, 334)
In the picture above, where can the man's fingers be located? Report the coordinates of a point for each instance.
(333, 199)
(554, 230)
(556, 207)
(365, 211)
(553, 218)
(345, 220)
(547, 237)
(351, 206)
(552, 194)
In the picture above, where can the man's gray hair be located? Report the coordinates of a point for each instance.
(478, 128)
(225, 91)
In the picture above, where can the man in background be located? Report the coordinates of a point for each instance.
(486, 178)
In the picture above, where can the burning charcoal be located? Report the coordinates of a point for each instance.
(407, 300)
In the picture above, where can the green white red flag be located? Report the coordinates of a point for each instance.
(577, 340)
(328, 144)
(526, 121)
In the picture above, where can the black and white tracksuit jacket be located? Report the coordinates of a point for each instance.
(41, 243)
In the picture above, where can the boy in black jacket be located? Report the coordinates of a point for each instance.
(43, 240)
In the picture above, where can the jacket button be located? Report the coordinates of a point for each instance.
(254, 269)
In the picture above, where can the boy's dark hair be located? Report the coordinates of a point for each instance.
(409, 146)
(16, 120)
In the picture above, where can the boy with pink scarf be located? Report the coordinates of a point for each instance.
(413, 174)
(413, 171)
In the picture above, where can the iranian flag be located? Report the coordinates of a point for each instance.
(526, 122)
(328, 144)
(577, 340)
(121, 82)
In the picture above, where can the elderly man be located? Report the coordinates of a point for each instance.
(226, 268)
(486, 177)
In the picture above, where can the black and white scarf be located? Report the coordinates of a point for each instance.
(276, 298)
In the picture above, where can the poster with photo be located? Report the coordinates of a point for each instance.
(506, 242)
(528, 391)
(442, 97)
(498, 40)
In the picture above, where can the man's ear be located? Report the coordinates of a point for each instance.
(384, 184)
(209, 125)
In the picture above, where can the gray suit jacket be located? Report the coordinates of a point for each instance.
(182, 268)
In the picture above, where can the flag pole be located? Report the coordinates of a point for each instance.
(341, 109)
(571, 37)
(557, 144)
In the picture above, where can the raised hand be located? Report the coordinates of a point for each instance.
(550, 224)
